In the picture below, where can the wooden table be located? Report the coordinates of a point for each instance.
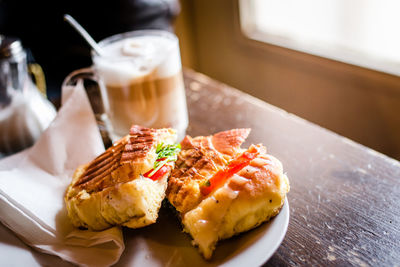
(344, 198)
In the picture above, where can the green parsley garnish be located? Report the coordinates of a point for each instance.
(167, 153)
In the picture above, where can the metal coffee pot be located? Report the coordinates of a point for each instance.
(24, 111)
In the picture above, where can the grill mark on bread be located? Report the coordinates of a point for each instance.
(141, 140)
(103, 165)
(198, 160)
(94, 184)
(228, 141)
(202, 164)
(131, 149)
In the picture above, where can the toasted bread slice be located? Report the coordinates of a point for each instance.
(198, 160)
(245, 198)
(111, 190)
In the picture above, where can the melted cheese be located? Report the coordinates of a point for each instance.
(253, 195)
(204, 222)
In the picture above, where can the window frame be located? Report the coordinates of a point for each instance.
(250, 34)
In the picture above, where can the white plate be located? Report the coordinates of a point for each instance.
(163, 244)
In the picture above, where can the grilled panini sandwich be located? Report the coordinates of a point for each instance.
(126, 184)
(221, 190)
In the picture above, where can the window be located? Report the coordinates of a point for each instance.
(359, 32)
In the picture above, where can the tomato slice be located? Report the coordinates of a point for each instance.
(233, 167)
(158, 174)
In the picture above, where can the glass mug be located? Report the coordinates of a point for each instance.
(140, 80)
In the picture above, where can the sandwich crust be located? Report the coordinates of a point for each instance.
(198, 160)
(110, 190)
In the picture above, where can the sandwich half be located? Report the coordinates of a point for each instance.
(220, 190)
(126, 184)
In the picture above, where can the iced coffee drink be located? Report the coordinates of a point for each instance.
(143, 84)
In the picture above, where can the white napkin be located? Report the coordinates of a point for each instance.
(33, 184)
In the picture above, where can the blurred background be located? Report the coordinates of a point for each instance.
(58, 48)
(335, 63)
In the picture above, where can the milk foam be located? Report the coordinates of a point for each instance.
(135, 57)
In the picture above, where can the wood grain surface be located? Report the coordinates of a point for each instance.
(344, 198)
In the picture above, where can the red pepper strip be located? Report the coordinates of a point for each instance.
(234, 166)
(158, 174)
